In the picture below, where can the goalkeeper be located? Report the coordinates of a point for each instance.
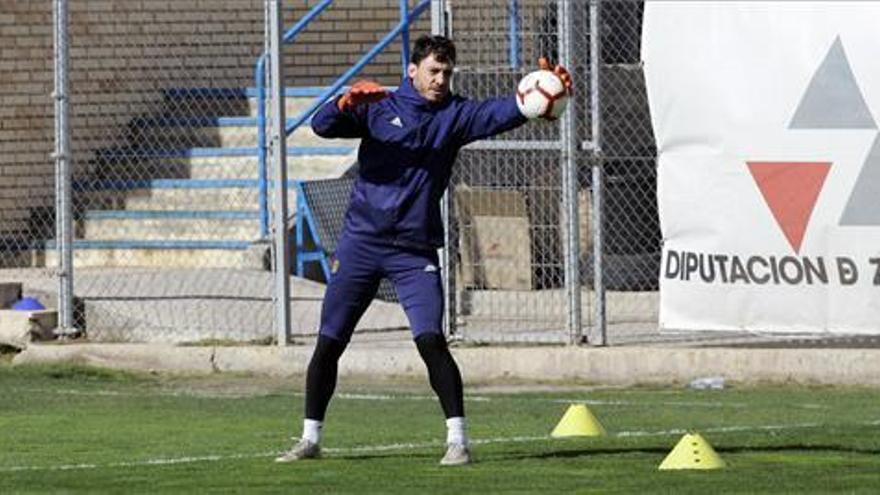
(409, 142)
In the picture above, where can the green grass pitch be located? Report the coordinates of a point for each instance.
(69, 429)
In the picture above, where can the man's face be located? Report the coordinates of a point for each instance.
(431, 78)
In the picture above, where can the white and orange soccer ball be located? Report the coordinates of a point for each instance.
(541, 94)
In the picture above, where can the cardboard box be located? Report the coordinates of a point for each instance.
(550, 231)
(494, 239)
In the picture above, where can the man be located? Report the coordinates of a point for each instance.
(409, 141)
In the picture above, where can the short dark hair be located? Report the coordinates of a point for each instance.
(441, 47)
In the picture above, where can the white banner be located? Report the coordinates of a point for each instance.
(766, 117)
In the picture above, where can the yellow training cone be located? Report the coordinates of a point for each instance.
(692, 452)
(578, 421)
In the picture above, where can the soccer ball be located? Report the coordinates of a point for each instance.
(541, 94)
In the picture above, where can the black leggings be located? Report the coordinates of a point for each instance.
(321, 377)
(443, 373)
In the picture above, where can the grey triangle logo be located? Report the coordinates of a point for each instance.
(833, 99)
(397, 122)
(862, 207)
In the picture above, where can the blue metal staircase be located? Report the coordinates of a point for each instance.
(182, 195)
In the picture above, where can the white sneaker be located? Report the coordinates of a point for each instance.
(302, 450)
(457, 454)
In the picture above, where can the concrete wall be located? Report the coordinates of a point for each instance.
(125, 53)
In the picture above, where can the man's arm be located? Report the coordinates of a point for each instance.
(346, 116)
(485, 118)
(331, 122)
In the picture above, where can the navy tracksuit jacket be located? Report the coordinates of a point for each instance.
(406, 155)
(408, 147)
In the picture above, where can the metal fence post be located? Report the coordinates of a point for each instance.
(600, 332)
(278, 147)
(404, 38)
(63, 204)
(439, 27)
(439, 18)
(569, 184)
(513, 30)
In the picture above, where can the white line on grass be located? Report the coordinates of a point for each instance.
(386, 397)
(650, 404)
(383, 397)
(366, 449)
(352, 396)
(592, 402)
(125, 464)
(716, 429)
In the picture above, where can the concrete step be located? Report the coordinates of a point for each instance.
(170, 225)
(235, 101)
(228, 167)
(303, 163)
(177, 194)
(165, 254)
(136, 154)
(190, 195)
(220, 199)
(221, 132)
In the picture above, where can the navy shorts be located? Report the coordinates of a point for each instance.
(359, 265)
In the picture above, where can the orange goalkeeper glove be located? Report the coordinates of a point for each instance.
(559, 70)
(360, 93)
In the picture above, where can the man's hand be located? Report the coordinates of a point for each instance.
(559, 70)
(360, 93)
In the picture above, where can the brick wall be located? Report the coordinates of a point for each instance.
(125, 53)
(341, 36)
(26, 118)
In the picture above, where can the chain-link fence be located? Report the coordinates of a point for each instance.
(520, 180)
(505, 193)
(170, 209)
(340, 38)
(627, 165)
(170, 219)
(26, 133)
(165, 192)
(169, 206)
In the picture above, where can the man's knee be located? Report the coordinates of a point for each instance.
(431, 339)
(432, 346)
(327, 350)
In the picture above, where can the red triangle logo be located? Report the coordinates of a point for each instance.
(790, 190)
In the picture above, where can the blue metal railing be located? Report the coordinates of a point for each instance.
(402, 29)
(370, 55)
